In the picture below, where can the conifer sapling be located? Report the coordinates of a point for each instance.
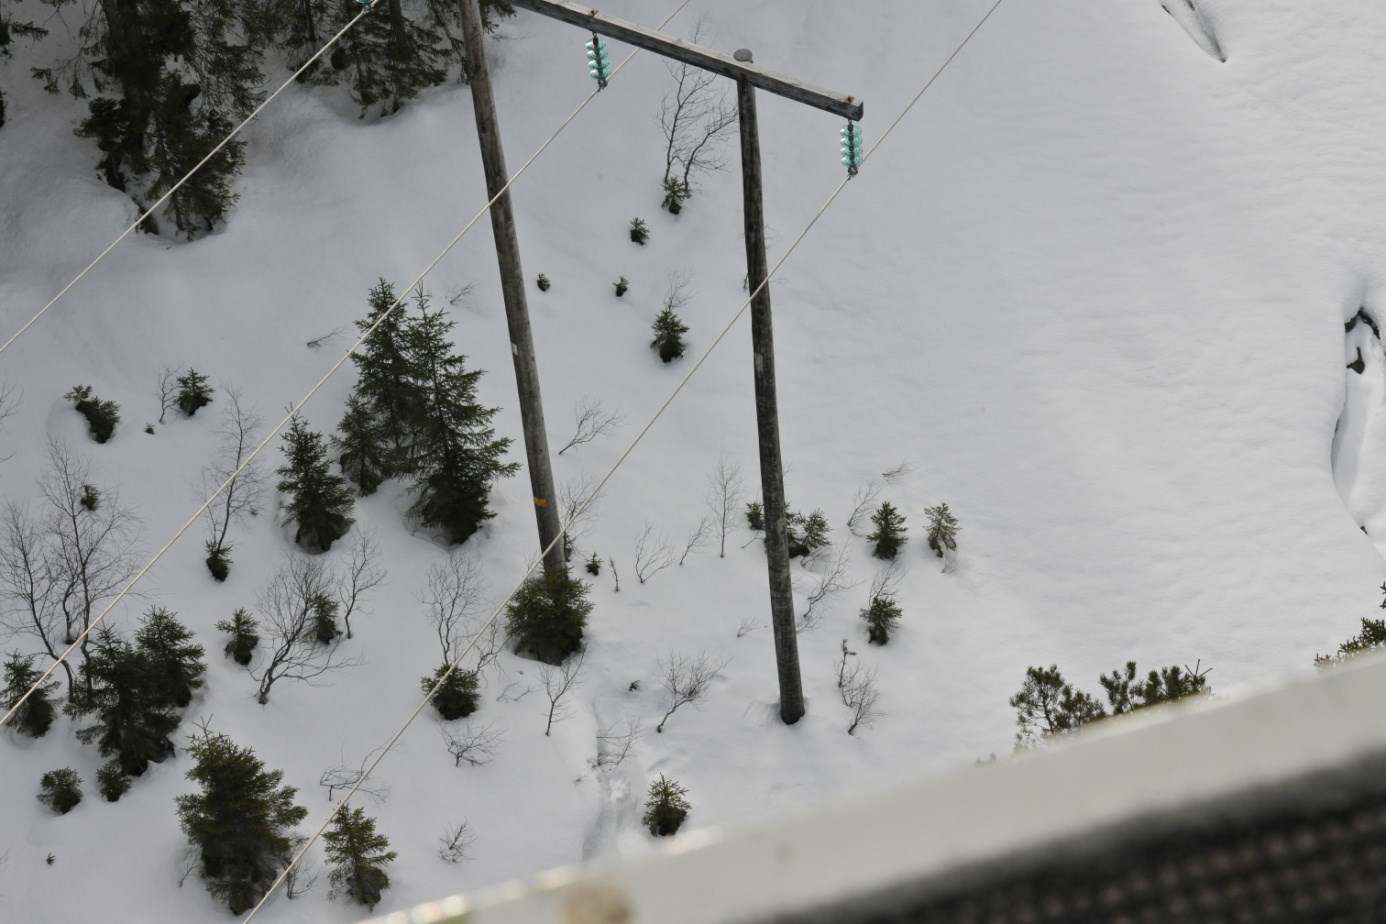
(882, 617)
(193, 392)
(60, 790)
(668, 335)
(890, 531)
(943, 529)
(112, 782)
(457, 697)
(244, 638)
(666, 807)
(319, 502)
(358, 855)
(639, 233)
(547, 615)
(35, 717)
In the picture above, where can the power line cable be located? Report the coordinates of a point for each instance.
(601, 485)
(187, 176)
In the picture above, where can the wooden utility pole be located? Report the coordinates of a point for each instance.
(749, 78)
(767, 408)
(512, 289)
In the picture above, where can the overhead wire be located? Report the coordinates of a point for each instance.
(601, 485)
(366, 8)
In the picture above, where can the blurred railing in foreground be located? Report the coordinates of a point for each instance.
(1261, 806)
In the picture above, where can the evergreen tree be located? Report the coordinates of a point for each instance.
(175, 665)
(218, 559)
(547, 615)
(459, 455)
(128, 702)
(358, 856)
(666, 807)
(668, 335)
(102, 416)
(112, 782)
(324, 618)
(1372, 637)
(882, 617)
(60, 790)
(193, 392)
(239, 822)
(1048, 705)
(457, 697)
(806, 534)
(244, 638)
(35, 717)
(890, 531)
(1126, 694)
(360, 450)
(755, 516)
(943, 529)
(386, 388)
(319, 501)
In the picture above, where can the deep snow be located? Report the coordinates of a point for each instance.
(1091, 294)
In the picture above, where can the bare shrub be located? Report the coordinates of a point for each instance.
(686, 680)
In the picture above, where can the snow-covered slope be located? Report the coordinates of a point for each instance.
(1091, 294)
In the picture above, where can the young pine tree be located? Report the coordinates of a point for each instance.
(386, 388)
(547, 615)
(1126, 694)
(457, 697)
(882, 617)
(890, 531)
(102, 416)
(60, 790)
(1048, 705)
(112, 782)
(175, 664)
(666, 807)
(360, 449)
(193, 392)
(459, 455)
(1371, 638)
(239, 822)
(943, 529)
(324, 619)
(358, 856)
(241, 626)
(35, 717)
(319, 502)
(130, 707)
(668, 335)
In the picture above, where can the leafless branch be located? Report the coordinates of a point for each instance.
(614, 744)
(899, 471)
(302, 876)
(860, 695)
(362, 576)
(455, 841)
(455, 588)
(617, 577)
(238, 435)
(472, 743)
(290, 607)
(886, 582)
(9, 403)
(697, 538)
(167, 389)
(592, 420)
(723, 500)
(680, 290)
(558, 681)
(652, 554)
(686, 680)
(831, 581)
(748, 625)
(695, 120)
(863, 503)
(573, 494)
(345, 777)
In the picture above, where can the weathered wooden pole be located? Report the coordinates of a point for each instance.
(767, 408)
(512, 288)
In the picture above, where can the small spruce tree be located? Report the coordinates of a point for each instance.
(239, 822)
(1048, 705)
(218, 559)
(102, 416)
(324, 619)
(358, 855)
(622, 286)
(806, 534)
(457, 697)
(594, 565)
(175, 664)
(639, 232)
(244, 638)
(319, 502)
(91, 497)
(542, 282)
(666, 807)
(882, 617)
(755, 516)
(943, 529)
(60, 790)
(1371, 638)
(890, 531)
(668, 335)
(361, 450)
(547, 615)
(112, 782)
(193, 392)
(129, 703)
(385, 386)
(35, 717)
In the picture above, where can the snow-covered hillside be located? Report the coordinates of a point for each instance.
(1091, 294)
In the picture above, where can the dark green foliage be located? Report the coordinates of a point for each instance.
(360, 447)
(755, 516)
(91, 497)
(542, 282)
(193, 392)
(459, 456)
(668, 335)
(239, 822)
(806, 534)
(890, 531)
(102, 416)
(882, 617)
(60, 790)
(1371, 638)
(358, 856)
(594, 565)
(385, 388)
(547, 615)
(676, 192)
(175, 664)
(666, 807)
(35, 717)
(319, 502)
(218, 559)
(1125, 693)
(244, 638)
(1048, 705)
(129, 703)
(112, 782)
(324, 619)
(457, 697)
(622, 286)
(943, 529)
(639, 233)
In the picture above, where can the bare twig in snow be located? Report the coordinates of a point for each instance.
(455, 841)
(863, 504)
(724, 500)
(697, 538)
(558, 681)
(686, 680)
(592, 420)
(652, 554)
(474, 744)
